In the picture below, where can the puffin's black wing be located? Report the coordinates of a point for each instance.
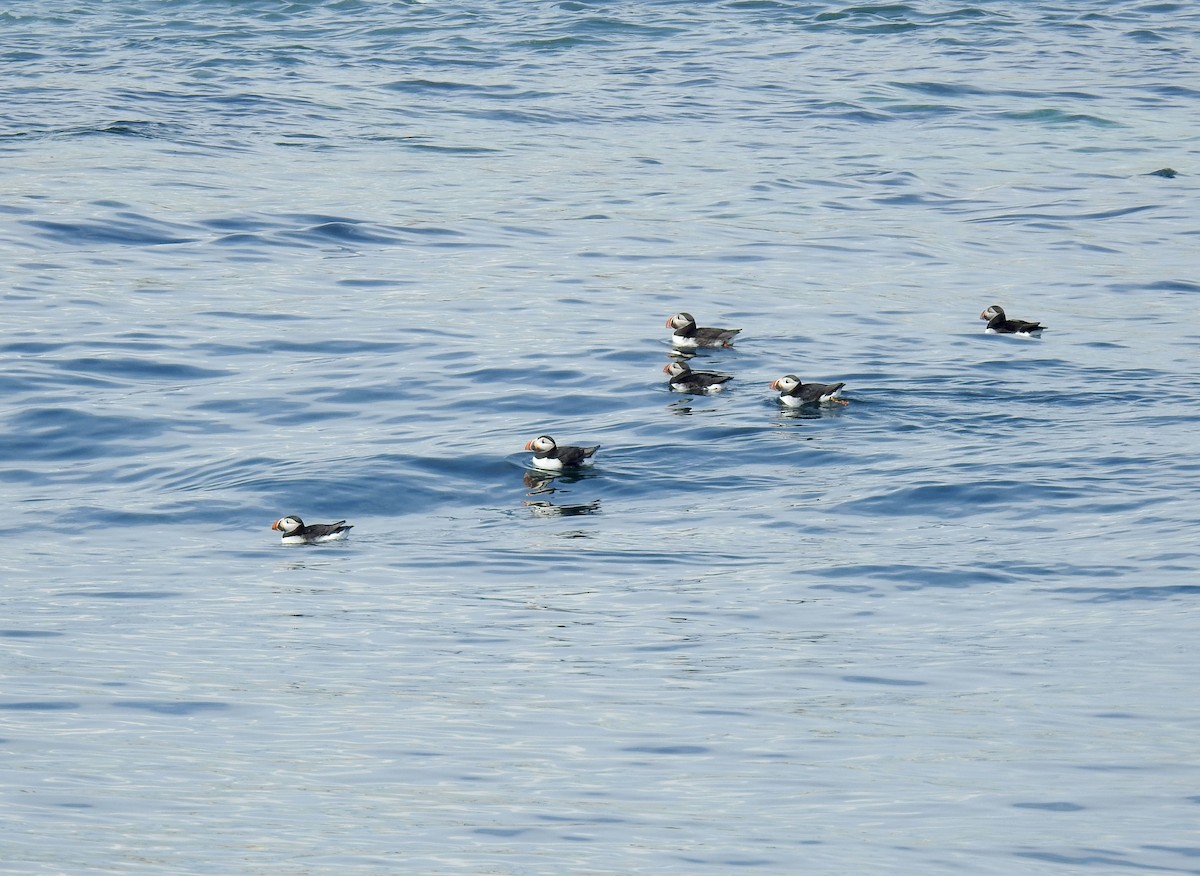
(715, 335)
(318, 530)
(576, 455)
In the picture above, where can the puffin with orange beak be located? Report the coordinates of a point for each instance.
(549, 455)
(793, 393)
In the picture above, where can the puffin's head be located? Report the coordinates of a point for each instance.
(288, 525)
(540, 444)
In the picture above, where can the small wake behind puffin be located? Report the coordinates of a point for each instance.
(295, 531)
(1000, 324)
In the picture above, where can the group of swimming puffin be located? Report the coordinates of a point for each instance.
(549, 455)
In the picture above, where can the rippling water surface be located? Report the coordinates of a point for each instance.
(344, 259)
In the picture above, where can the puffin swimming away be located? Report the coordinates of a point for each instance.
(295, 531)
(999, 324)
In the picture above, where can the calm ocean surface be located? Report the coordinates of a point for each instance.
(343, 259)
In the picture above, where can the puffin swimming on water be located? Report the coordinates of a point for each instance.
(295, 531)
(549, 455)
(688, 336)
(999, 324)
(681, 378)
(793, 393)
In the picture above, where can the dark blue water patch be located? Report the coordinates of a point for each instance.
(345, 232)
(29, 634)
(335, 347)
(1146, 36)
(1066, 217)
(1158, 286)
(367, 283)
(245, 224)
(910, 577)
(718, 861)
(67, 434)
(922, 110)
(669, 647)
(1185, 851)
(668, 750)
(1138, 593)
(132, 231)
(241, 316)
(40, 706)
(851, 589)
(489, 92)
(141, 129)
(253, 407)
(139, 369)
(1058, 117)
(1055, 806)
(385, 486)
(17, 210)
(963, 499)
(422, 144)
(169, 707)
(887, 682)
(1089, 860)
(225, 474)
(365, 397)
(594, 25)
(255, 241)
(940, 89)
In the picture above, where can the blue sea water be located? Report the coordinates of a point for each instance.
(343, 259)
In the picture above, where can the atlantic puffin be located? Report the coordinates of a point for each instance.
(688, 337)
(793, 393)
(548, 455)
(296, 532)
(999, 324)
(683, 379)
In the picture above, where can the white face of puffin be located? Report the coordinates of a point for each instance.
(680, 320)
(541, 444)
(676, 369)
(786, 383)
(287, 524)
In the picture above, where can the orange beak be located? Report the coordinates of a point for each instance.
(774, 384)
(668, 323)
(667, 368)
(275, 525)
(529, 444)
